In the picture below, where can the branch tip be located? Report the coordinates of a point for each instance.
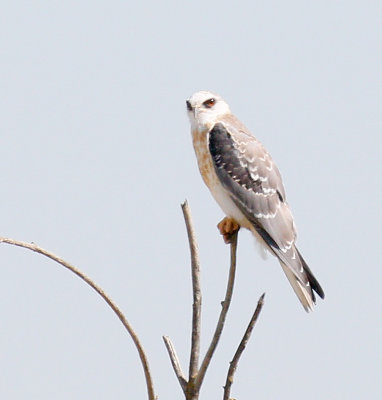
(241, 348)
(175, 362)
(142, 355)
(196, 291)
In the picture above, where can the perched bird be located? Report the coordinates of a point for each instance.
(247, 185)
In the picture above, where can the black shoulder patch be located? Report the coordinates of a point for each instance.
(220, 141)
(226, 159)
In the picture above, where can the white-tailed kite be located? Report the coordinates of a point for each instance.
(247, 185)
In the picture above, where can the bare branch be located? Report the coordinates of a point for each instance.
(240, 349)
(109, 301)
(225, 306)
(197, 294)
(175, 363)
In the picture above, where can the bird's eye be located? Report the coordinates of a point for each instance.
(209, 103)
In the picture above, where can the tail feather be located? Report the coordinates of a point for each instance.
(303, 292)
(295, 268)
(312, 279)
(302, 280)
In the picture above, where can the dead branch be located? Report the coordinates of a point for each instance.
(175, 363)
(197, 294)
(109, 301)
(191, 388)
(240, 349)
(220, 325)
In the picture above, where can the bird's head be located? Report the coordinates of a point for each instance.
(204, 108)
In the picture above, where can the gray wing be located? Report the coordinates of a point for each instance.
(248, 173)
(254, 183)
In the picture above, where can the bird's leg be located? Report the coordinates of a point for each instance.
(228, 227)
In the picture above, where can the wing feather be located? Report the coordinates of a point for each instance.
(253, 181)
(248, 173)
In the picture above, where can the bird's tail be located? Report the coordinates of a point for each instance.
(303, 281)
(304, 293)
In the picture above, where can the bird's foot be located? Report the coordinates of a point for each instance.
(228, 227)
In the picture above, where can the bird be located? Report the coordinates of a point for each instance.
(247, 185)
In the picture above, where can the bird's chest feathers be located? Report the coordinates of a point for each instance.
(206, 168)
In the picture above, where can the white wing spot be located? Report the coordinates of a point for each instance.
(269, 190)
(269, 216)
(262, 194)
(287, 247)
(257, 177)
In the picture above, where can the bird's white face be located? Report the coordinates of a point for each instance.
(204, 108)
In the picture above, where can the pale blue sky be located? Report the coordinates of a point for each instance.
(96, 158)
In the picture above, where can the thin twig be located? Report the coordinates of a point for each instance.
(240, 349)
(197, 294)
(175, 363)
(225, 306)
(109, 301)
